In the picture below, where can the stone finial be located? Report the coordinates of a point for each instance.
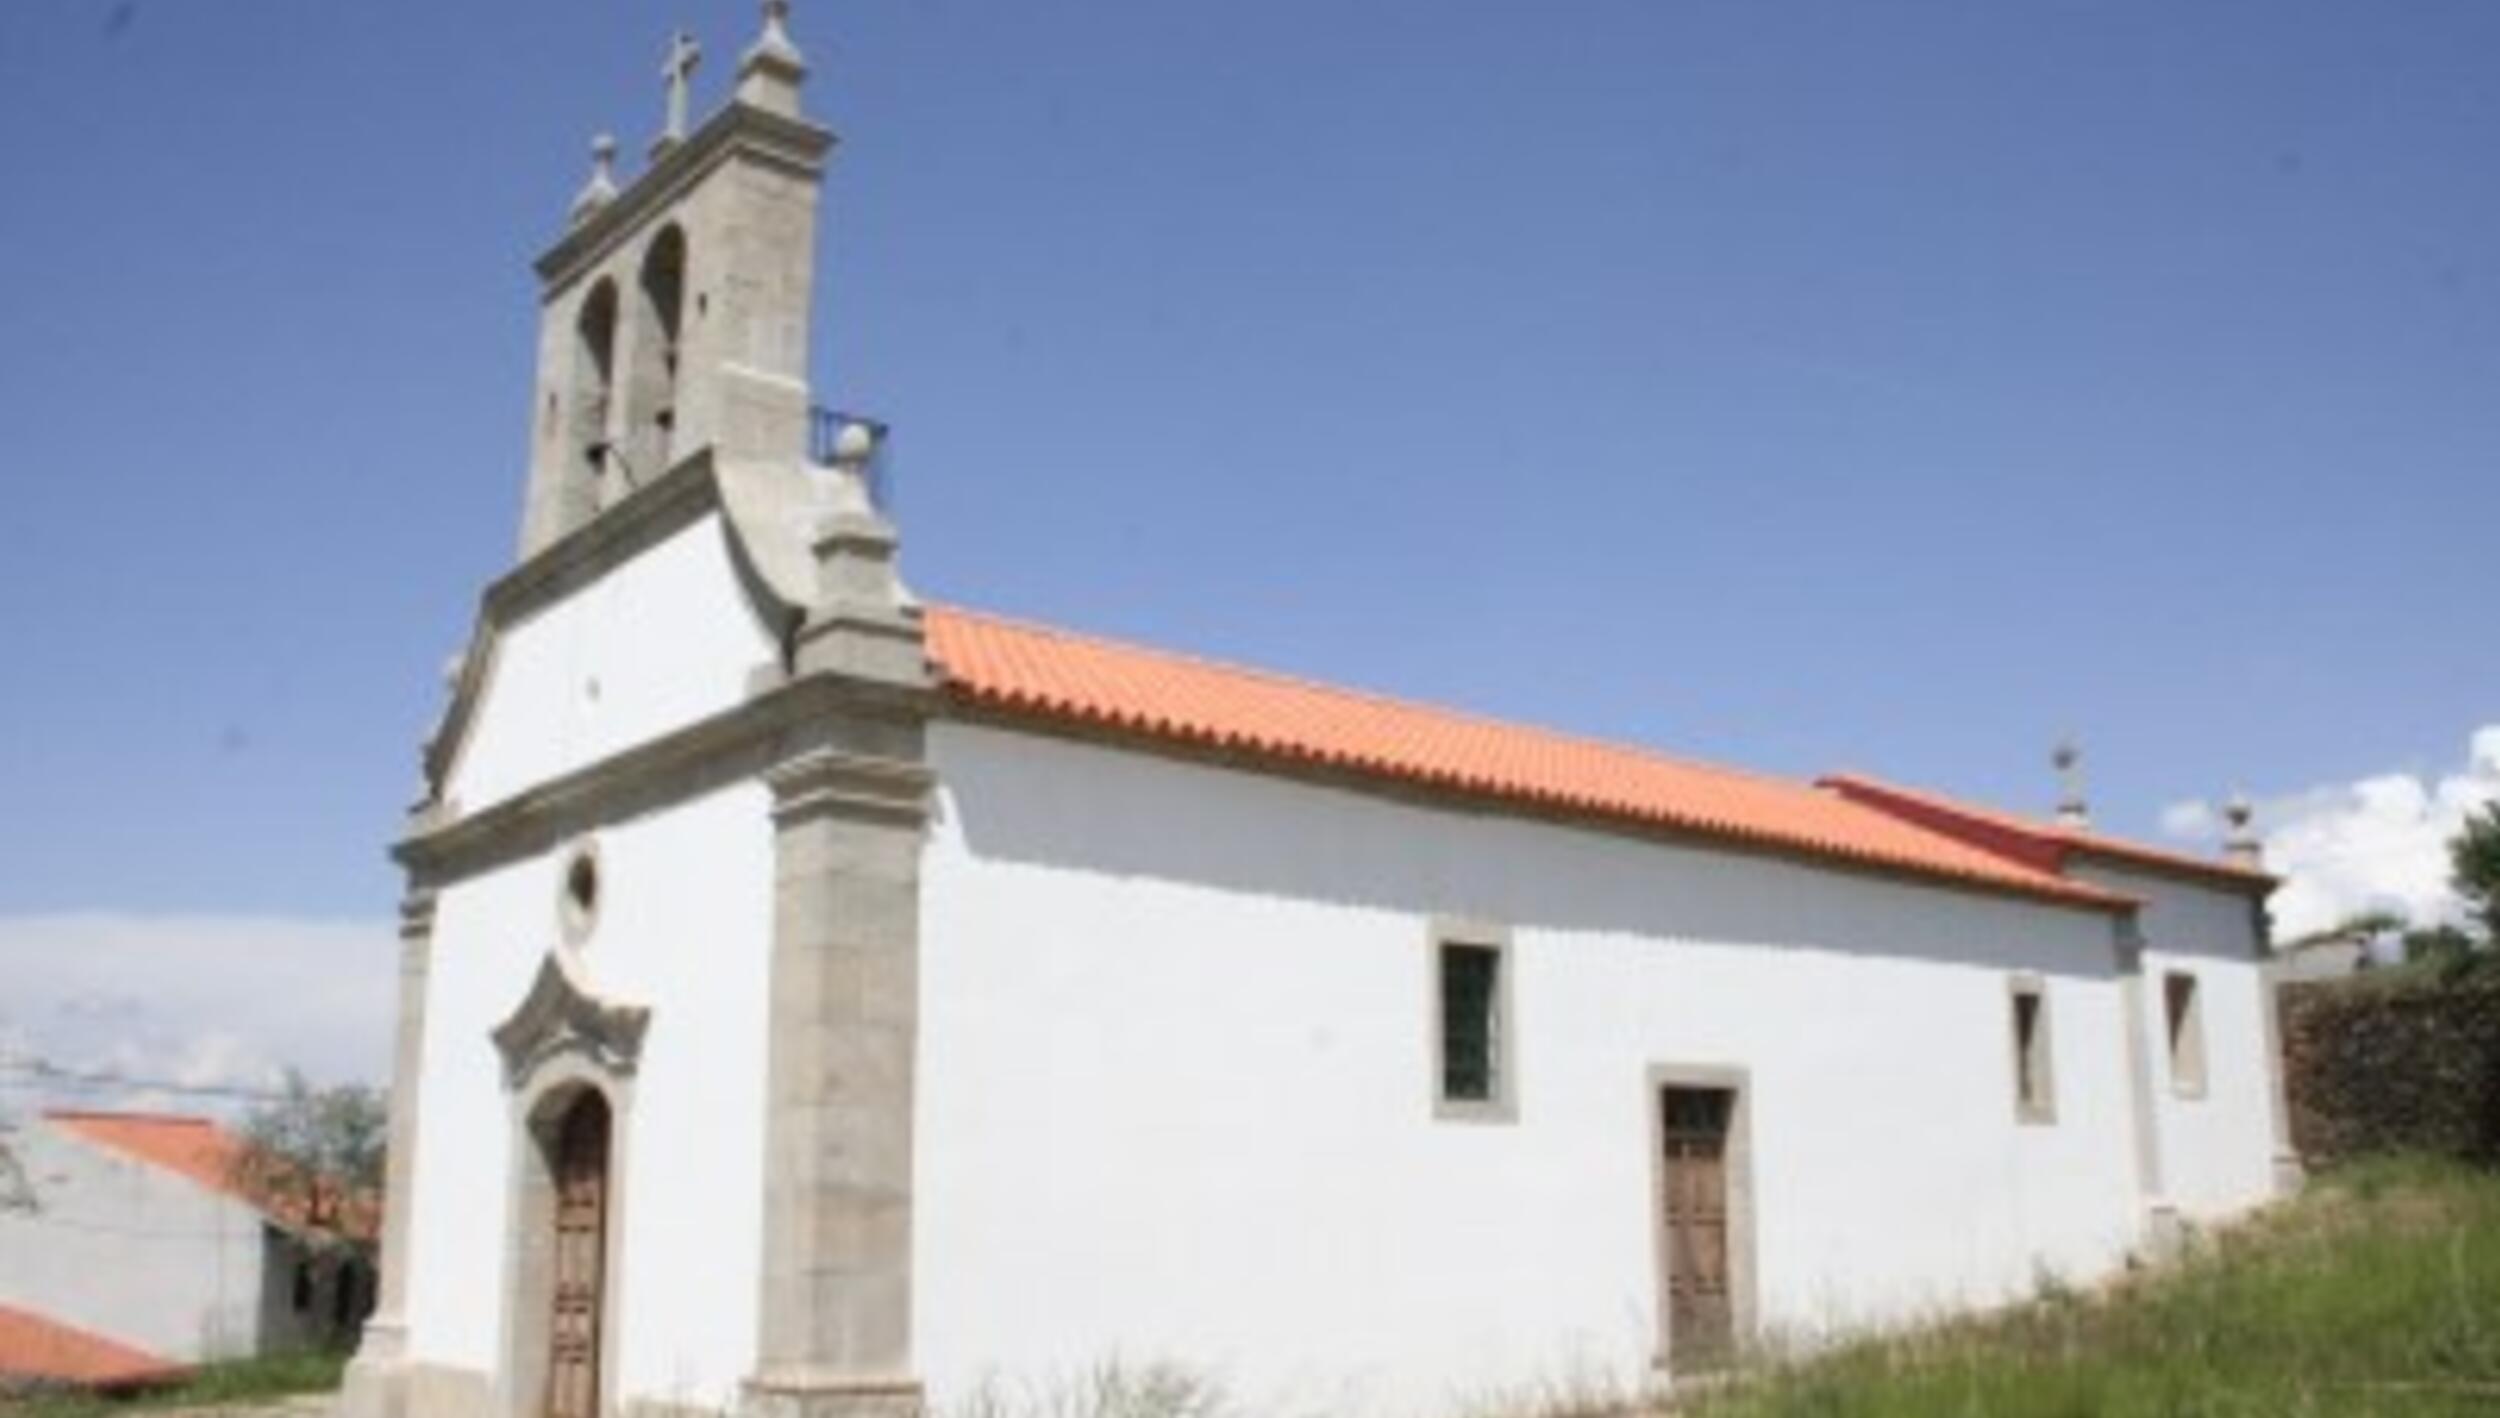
(2240, 844)
(854, 447)
(864, 622)
(2072, 810)
(601, 188)
(770, 73)
(676, 74)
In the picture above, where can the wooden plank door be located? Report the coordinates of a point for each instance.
(1701, 1312)
(581, 1220)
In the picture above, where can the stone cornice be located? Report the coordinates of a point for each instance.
(649, 515)
(739, 129)
(782, 724)
(416, 916)
(831, 780)
(636, 523)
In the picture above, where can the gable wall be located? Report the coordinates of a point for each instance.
(2217, 1149)
(131, 1251)
(684, 926)
(1175, 1096)
(657, 642)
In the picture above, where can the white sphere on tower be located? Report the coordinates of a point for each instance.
(854, 444)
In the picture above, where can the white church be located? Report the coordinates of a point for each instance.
(819, 1002)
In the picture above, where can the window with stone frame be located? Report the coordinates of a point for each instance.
(1474, 1028)
(2035, 1086)
(2183, 1014)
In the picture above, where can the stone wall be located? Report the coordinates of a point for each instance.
(2393, 1065)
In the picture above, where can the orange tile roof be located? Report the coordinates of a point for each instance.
(1035, 672)
(2047, 845)
(197, 1148)
(206, 1152)
(34, 1346)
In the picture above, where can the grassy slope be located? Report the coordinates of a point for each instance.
(2377, 1293)
(242, 1381)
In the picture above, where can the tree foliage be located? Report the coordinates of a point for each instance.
(315, 1156)
(2444, 948)
(2474, 869)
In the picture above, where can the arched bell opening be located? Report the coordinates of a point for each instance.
(588, 399)
(659, 328)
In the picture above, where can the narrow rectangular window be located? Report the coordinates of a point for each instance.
(2035, 1091)
(2185, 1015)
(1471, 1023)
(1475, 1056)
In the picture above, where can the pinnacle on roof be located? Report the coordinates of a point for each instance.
(2072, 810)
(772, 69)
(2241, 843)
(600, 190)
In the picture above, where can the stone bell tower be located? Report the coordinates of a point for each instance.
(674, 309)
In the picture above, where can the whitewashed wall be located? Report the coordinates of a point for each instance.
(132, 1251)
(2217, 1149)
(1175, 1097)
(684, 926)
(661, 641)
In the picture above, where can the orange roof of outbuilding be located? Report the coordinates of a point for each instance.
(1036, 672)
(207, 1152)
(197, 1148)
(34, 1346)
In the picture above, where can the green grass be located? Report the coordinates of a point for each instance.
(235, 1381)
(2377, 1293)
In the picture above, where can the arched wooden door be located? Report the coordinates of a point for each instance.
(581, 1258)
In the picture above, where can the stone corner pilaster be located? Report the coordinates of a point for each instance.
(850, 813)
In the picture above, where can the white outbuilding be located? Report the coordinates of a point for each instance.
(819, 1002)
(132, 1249)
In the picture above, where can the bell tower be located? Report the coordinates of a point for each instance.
(673, 312)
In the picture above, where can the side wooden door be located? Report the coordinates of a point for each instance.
(1701, 1315)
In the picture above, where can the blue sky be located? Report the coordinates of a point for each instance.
(1886, 386)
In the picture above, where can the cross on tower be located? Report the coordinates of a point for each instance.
(675, 71)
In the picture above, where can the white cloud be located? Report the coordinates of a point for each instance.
(2380, 843)
(2193, 820)
(216, 1002)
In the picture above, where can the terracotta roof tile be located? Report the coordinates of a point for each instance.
(205, 1151)
(2043, 844)
(197, 1148)
(1036, 672)
(34, 1346)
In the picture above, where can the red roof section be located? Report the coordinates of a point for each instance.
(2046, 845)
(197, 1148)
(1037, 672)
(35, 1346)
(204, 1151)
